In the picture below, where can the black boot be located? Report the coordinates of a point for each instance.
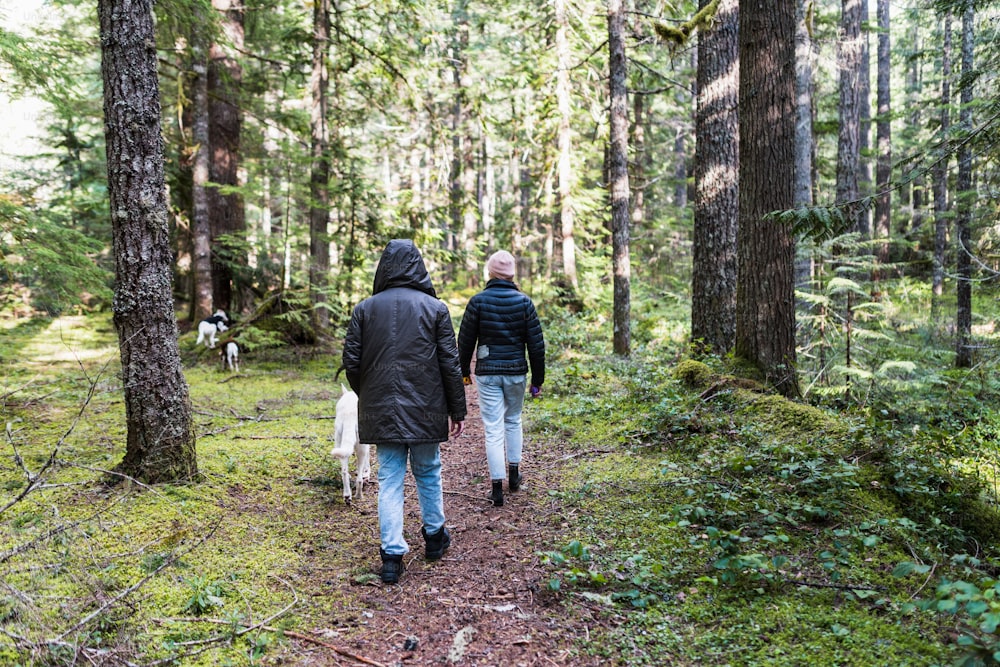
(513, 477)
(497, 495)
(392, 567)
(436, 544)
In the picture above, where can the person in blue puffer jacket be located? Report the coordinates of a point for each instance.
(500, 326)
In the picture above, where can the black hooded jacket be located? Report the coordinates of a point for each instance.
(400, 355)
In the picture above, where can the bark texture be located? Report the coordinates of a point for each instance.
(850, 49)
(618, 160)
(716, 182)
(765, 297)
(160, 443)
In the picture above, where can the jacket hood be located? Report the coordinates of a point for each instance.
(401, 265)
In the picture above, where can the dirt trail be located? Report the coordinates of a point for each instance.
(485, 602)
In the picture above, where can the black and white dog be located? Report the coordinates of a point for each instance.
(210, 326)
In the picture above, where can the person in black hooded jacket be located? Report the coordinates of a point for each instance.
(401, 357)
(499, 325)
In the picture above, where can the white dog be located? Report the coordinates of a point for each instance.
(230, 354)
(346, 442)
(210, 326)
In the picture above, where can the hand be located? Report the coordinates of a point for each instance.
(466, 380)
(535, 391)
(457, 428)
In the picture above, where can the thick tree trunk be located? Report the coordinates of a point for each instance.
(966, 197)
(716, 182)
(225, 75)
(765, 296)
(160, 444)
(883, 169)
(618, 159)
(319, 179)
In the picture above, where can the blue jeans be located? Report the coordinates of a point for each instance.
(425, 463)
(501, 399)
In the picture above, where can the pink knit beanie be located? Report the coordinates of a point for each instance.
(501, 265)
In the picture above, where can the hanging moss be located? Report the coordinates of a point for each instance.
(678, 36)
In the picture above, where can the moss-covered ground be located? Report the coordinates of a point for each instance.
(687, 517)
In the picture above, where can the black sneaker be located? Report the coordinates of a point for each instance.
(436, 544)
(392, 567)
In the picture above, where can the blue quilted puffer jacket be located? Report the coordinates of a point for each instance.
(500, 324)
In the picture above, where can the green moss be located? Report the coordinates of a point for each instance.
(694, 374)
(788, 421)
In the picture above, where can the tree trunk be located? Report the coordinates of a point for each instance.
(319, 180)
(966, 197)
(225, 75)
(804, 144)
(617, 66)
(914, 181)
(849, 53)
(566, 212)
(160, 442)
(864, 123)
(803, 105)
(462, 178)
(883, 169)
(637, 179)
(939, 173)
(680, 164)
(716, 176)
(765, 296)
(201, 234)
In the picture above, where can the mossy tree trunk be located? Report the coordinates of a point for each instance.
(160, 442)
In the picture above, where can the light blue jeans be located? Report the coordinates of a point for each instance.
(425, 463)
(501, 400)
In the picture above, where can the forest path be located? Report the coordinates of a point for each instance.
(485, 602)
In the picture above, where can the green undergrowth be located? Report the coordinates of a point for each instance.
(706, 520)
(213, 570)
(726, 525)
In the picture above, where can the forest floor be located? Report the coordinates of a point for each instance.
(484, 603)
